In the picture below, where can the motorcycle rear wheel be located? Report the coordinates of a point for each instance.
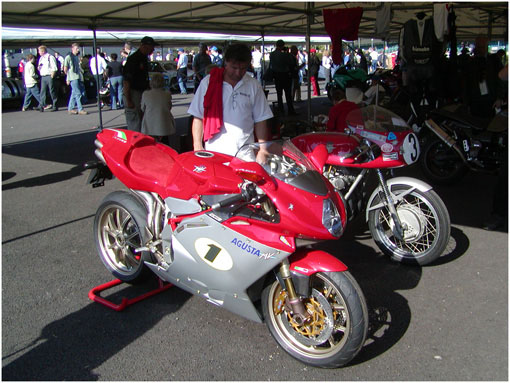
(339, 326)
(440, 163)
(426, 227)
(119, 230)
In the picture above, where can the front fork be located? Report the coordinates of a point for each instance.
(397, 228)
(297, 308)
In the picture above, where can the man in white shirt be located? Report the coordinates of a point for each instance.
(326, 63)
(256, 57)
(375, 59)
(182, 70)
(101, 67)
(48, 68)
(245, 108)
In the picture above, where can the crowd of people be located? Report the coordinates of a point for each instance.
(78, 74)
(49, 77)
(127, 76)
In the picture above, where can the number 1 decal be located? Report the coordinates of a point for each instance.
(213, 254)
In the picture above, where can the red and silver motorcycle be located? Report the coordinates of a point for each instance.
(407, 219)
(236, 233)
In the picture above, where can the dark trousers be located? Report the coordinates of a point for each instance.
(48, 83)
(283, 83)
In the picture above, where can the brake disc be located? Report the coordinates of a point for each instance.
(319, 328)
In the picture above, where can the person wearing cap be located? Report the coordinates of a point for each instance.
(229, 108)
(216, 57)
(200, 62)
(136, 81)
(283, 65)
(182, 70)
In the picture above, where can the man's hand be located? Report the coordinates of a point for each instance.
(262, 155)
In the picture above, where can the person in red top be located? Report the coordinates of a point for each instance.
(339, 111)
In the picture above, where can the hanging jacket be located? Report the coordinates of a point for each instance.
(419, 51)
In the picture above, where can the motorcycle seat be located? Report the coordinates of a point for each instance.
(468, 120)
(152, 163)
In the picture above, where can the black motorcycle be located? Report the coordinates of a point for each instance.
(462, 142)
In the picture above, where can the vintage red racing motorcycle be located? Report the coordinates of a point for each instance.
(236, 233)
(407, 219)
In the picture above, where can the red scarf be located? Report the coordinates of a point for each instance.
(213, 104)
(341, 23)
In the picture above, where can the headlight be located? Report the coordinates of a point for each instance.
(331, 218)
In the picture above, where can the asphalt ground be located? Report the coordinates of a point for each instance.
(446, 321)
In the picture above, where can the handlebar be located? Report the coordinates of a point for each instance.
(246, 194)
(228, 201)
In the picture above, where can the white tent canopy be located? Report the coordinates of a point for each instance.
(258, 18)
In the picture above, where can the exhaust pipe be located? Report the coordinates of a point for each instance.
(446, 138)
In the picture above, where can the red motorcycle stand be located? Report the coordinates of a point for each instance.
(94, 294)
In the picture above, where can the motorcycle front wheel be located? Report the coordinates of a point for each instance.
(119, 230)
(425, 221)
(441, 164)
(338, 325)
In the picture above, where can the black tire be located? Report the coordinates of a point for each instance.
(119, 228)
(344, 329)
(428, 227)
(441, 164)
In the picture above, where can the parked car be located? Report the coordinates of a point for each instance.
(156, 67)
(13, 92)
(169, 68)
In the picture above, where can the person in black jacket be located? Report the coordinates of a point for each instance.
(136, 81)
(283, 65)
(313, 69)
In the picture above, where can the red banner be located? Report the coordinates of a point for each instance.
(341, 24)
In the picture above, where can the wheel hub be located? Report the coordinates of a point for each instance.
(120, 239)
(413, 222)
(319, 327)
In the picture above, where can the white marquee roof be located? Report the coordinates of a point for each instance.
(240, 18)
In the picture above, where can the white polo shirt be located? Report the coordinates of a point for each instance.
(243, 106)
(101, 65)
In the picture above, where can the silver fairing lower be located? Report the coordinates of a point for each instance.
(217, 263)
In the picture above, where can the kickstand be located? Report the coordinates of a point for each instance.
(94, 294)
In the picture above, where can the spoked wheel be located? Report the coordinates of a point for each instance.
(440, 163)
(119, 230)
(338, 325)
(425, 221)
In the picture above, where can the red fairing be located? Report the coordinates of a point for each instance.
(341, 148)
(309, 262)
(142, 164)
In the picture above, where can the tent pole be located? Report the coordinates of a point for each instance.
(97, 81)
(263, 50)
(309, 7)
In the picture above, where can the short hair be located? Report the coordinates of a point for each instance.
(75, 45)
(114, 56)
(43, 47)
(239, 53)
(337, 94)
(157, 81)
(127, 44)
(30, 56)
